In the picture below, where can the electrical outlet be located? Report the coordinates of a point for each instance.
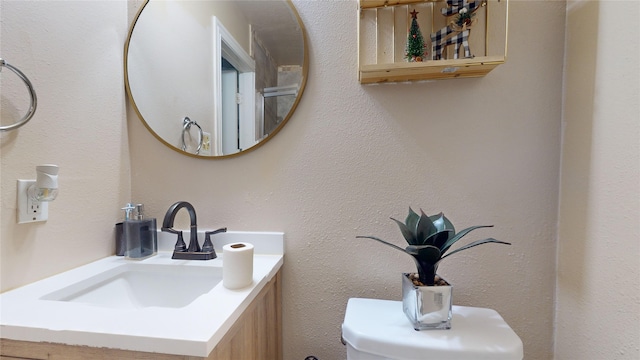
(206, 144)
(34, 207)
(30, 210)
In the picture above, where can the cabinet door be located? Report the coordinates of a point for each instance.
(257, 335)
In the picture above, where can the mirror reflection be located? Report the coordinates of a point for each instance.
(215, 78)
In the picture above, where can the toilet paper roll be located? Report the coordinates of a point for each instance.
(237, 265)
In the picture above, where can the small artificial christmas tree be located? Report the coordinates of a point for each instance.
(415, 42)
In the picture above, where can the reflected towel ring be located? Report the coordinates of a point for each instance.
(186, 126)
(32, 92)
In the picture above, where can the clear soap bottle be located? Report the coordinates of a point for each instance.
(140, 236)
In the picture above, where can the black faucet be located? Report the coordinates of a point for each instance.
(193, 252)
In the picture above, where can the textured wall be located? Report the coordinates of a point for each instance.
(352, 156)
(72, 53)
(598, 301)
(484, 151)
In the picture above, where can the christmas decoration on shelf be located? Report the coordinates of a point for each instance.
(464, 18)
(458, 31)
(415, 50)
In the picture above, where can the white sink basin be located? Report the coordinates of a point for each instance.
(157, 304)
(142, 285)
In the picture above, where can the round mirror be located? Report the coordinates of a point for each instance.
(215, 78)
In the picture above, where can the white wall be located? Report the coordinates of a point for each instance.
(72, 53)
(484, 151)
(598, 301)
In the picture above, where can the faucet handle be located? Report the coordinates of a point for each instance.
(213, 232)
(208, 245)
(180, 245)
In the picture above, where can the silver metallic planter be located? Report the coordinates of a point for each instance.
(427, 307)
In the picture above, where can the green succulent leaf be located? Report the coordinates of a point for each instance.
(407, 232)
(412, 220)
(426, 253)
(476, 243)
(440, 238)
(441, 222)
(459, 236)
(424, 230)
(382, 241)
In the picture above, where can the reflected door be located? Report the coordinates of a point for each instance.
(230, 123)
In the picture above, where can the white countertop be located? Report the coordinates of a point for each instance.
(192, 330)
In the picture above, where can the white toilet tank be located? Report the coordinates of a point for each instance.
(379, 330)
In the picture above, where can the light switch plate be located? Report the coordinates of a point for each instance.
(206, 144)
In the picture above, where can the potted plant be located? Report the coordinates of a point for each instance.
(426, 297)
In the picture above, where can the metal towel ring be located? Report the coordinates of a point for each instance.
(34, 99)
(186, 126)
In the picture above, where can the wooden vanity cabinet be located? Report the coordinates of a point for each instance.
(256, 335)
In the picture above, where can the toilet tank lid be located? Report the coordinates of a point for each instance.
(380, 327)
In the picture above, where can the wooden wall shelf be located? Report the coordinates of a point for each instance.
(383, 31)
(429, 70)
(368, 4)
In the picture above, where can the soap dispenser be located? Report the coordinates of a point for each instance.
(139, 234)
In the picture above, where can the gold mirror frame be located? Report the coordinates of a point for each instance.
(304, 76)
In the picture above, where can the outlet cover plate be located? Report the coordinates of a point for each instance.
(30, 210)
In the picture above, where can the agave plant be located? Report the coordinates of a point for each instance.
(429, 238)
